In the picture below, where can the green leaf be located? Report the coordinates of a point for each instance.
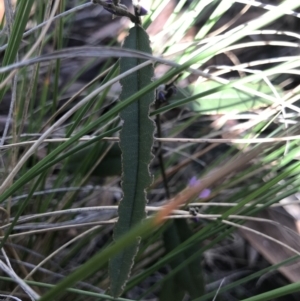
(231, 100)
(190, 278)
(136, 140)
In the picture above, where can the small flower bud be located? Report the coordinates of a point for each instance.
(140, 11)
(160, 96)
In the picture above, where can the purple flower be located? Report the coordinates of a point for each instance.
(193, 181)
(204, 193)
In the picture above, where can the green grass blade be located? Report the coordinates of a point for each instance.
(136, 140)
(190, 277)
(18, 28)
(73, 291)
(258, 274)
(97, 261)
(214, 18)
(282, 291)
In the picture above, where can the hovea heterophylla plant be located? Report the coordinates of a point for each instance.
(90, 114)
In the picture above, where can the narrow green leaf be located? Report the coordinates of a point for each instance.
(136, 140)
(190, 277)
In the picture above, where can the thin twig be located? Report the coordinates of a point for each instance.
(159, 152)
